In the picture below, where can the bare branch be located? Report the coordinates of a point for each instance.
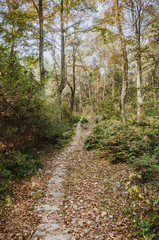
(35, 7)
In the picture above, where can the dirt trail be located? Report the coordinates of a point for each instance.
(80, 203)
(72, 198)
(52, 226)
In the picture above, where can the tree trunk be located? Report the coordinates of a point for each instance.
(125, 64)
(41, 38)
(113, 81)
(63, 79)
(80, 96)
(59, 107)
(136, 20)
(41, 41)
(139, 97)
(74, 82)
(139, 76)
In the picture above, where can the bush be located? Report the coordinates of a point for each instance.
(151, 108)
(109, 108)
(16, 164)
(147, 167)
(75, 118)
(124, 142)
(84, 120)
(147, 219)
(137, 144)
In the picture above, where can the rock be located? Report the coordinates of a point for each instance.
(120, 188)
(103, 214)
(89, 222)
(80, 223)
(73, 238)
(95, 209)
(75, 207)
(33, 185)
(18, 210)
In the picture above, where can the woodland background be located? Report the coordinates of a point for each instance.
(63, 59)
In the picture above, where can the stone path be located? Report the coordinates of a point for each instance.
(52, 226)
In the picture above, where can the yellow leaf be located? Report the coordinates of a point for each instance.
(140, 196)
(130, 190)
(139, 176)
(131, 175)
(128, 182)
(135, 188)
(8, 200)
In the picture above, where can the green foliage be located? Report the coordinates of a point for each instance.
(84, 120)
(27, 119)
(151, 108)
(146, 219)
(125, 142)
(15, 164)
(137, 144)
(62, 134)
(109, 108)
(75, 118)
(21, 101)
(147, 166)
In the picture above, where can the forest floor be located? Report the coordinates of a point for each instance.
(71, 198)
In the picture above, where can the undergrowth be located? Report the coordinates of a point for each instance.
(137, 145)
(22, 161)
(17, 164)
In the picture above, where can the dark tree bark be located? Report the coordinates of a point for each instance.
(73, 87)
(41, 41)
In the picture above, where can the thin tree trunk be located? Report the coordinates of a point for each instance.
(41, 38)
(113, 82)
(125, 65)
(74, 82)
(80, 95)
(139, 96)
(136, 20)
(59, 107)
(139, 77)
(63, 79)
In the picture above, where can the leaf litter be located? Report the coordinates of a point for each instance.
(90, 208)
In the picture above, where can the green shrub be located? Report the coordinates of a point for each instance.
(75, 118)
(147, 219)
(16, 164)
(147, 166)
(109, 108)
(124, 142)
(151, 108)
(84, 120)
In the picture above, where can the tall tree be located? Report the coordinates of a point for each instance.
(125, 61)
(41, 40)
(39, 10)
(136, 11)
(63, 77)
